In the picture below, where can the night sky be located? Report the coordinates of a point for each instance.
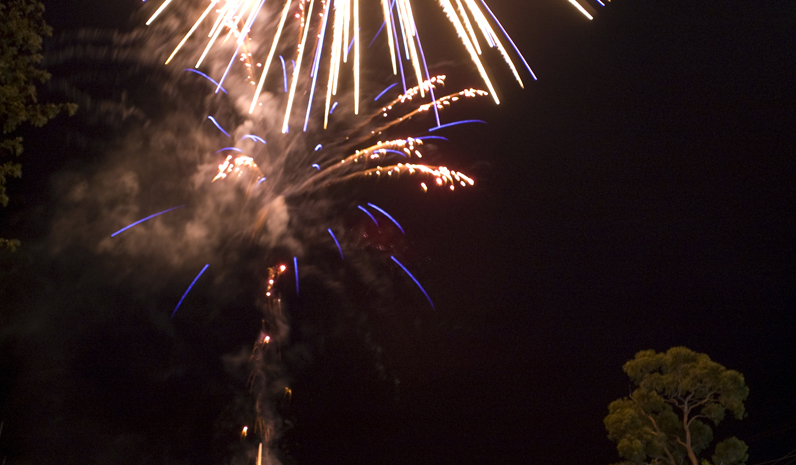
(639, 195)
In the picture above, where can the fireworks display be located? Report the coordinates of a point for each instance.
(282, 181)
(410, 272)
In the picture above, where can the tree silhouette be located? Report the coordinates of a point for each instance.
(667, 419)
(21, 33)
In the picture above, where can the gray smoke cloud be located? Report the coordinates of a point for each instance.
(155, 149)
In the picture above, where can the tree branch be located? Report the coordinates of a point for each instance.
(707, 398)
(687, 442)
(660, 433)
(694, 418)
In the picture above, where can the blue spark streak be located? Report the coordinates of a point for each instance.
(337, 243)
(369, 214)
(464, 121)
(428, 76)
(254, 138)
(261, 180)
(142, 220)
(381, 28)
(413, 279)
(317, 166)
(431, 137)
(510, 41)
(218, 126)
(295, 266)
(189, 290)
(384, 92)
(231, 61)
(398, 48)
(207, 77)
(284, 72)
(318, 147)
(388, 216)
(333, 107)
(230, 148)
(377, 34)
(249, 27)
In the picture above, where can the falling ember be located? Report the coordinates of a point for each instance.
(244, 432)
(237, 165)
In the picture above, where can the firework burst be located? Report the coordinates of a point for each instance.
(331, 29)
(247, 183)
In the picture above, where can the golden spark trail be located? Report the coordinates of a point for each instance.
(454, 18)
(222, 13)
(581, 9)
(405, 14)
(196, 25)
(334, 66)
(469, 26)
(346, 27)
(441, 174)
(236, 18)
(162, 7)
(339, 47)
(483, 23)
(214, 33)
(440, 103)
(388, 23)
(294, 83)
(356, 57)
(247, 26)
(271, 53)
(325, 7)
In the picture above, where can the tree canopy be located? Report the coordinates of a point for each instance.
(21, 34)
(679, 396)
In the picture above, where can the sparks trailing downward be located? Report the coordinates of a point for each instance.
(322, 42)
(378, 159)
(337, 23)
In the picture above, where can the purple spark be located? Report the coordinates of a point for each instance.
(413, 279)
(142, 220)
(189, 290)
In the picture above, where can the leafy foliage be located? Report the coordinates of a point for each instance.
(679, 395)
(21, 33)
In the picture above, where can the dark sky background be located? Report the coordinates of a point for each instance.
(640, 195)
